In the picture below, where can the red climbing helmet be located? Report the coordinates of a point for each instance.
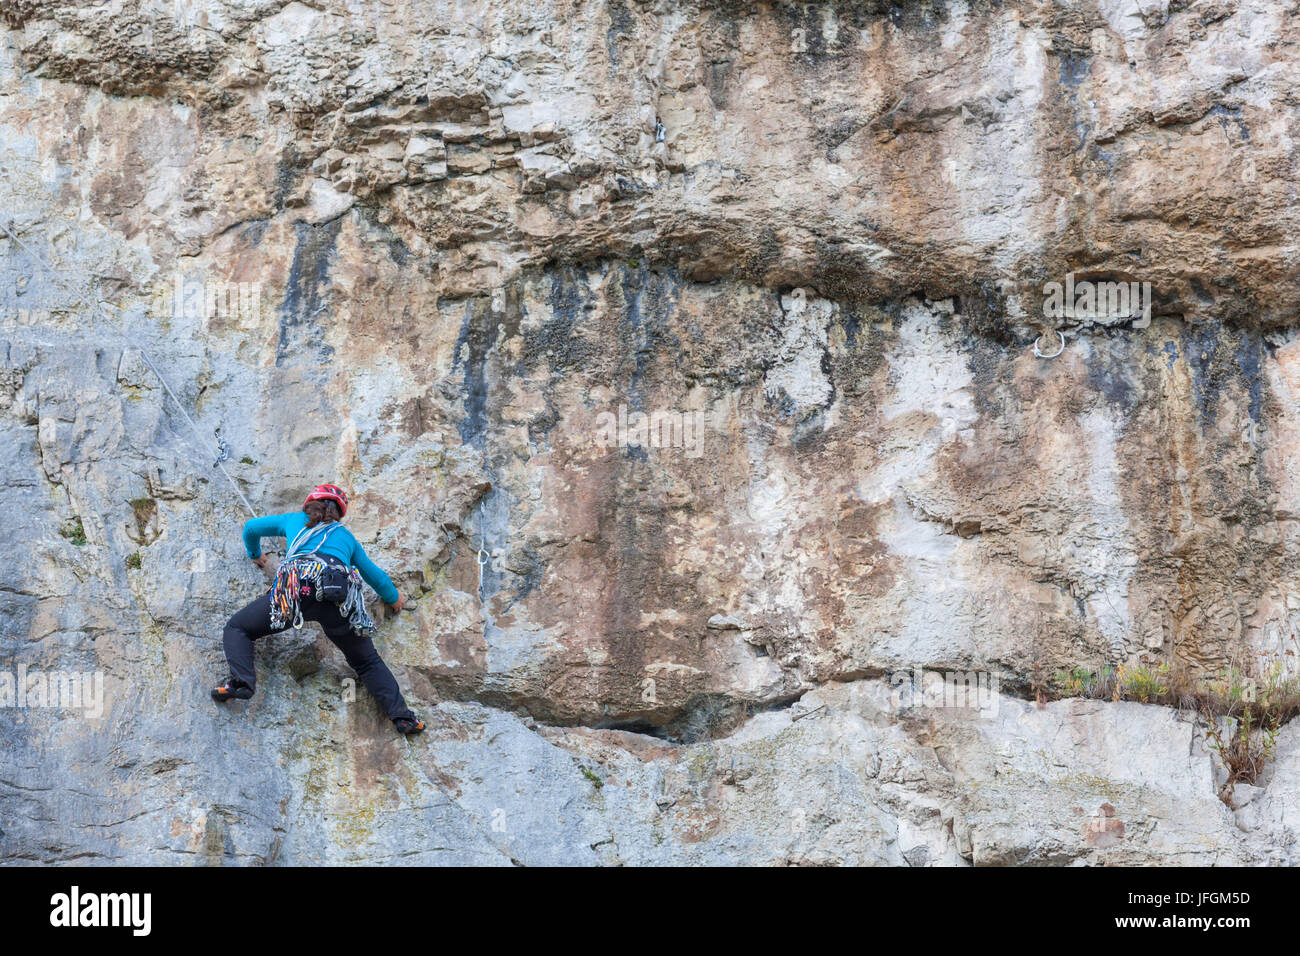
(329, 493)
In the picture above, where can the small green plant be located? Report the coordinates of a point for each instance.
(1273, 692)
(247, 461)
(595, 780)
(1143, 683)
(1245, 745)
(1234, 689)
(74, 531)
(1241, 714)
(133, 561)
(1075, 683)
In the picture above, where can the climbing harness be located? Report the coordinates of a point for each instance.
(311, 574)
(306, 576)
(1049, 355)
(222, 448)
(293, 580)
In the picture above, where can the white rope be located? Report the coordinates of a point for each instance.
(94, 304)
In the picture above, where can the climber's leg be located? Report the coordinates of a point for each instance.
(244, 627)
(362, 658)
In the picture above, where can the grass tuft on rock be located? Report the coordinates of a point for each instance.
(74, 531)
(1239, 714)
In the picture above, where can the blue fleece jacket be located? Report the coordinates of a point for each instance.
(338, 541)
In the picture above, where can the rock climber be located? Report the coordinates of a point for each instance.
(319, 580)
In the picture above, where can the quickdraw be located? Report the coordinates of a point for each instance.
(482, 550)
(295, 580)
(223, 447)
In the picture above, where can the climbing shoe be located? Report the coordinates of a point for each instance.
(409, 725)
(232, 690)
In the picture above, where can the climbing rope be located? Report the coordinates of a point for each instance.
(223, 450)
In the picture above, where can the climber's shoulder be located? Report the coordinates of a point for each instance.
(287, 524)
(354, 543)
(289, 520)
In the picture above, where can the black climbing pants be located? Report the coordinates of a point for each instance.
(254, 621)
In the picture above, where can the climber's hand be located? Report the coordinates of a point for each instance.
(401, 603)
(261, 561)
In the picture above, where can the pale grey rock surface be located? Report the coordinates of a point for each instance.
(421, 248)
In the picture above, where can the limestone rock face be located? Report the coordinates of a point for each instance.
(679, 357)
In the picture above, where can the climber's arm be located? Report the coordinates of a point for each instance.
(255, 529)
(374, 575)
